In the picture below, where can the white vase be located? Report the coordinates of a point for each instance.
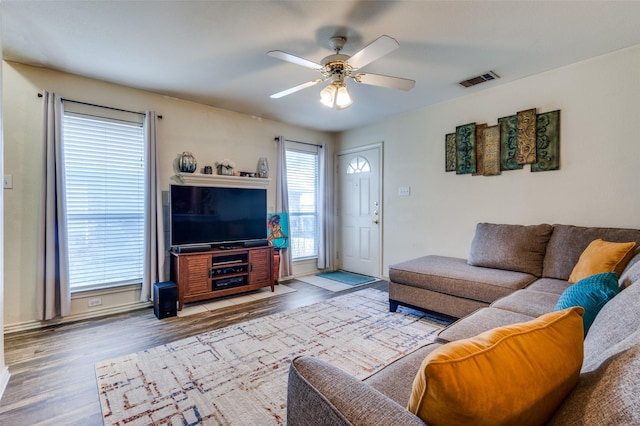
(263, 167)
(227, 171)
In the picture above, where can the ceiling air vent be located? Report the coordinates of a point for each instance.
(479, 79)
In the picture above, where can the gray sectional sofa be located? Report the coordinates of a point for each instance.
(503, 259)
(537, 262)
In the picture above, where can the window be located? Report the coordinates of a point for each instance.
(358, 165)
(302, 178)
(104, 172)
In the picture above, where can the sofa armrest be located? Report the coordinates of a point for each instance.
(321, 394)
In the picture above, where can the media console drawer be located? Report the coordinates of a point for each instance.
(216, 273)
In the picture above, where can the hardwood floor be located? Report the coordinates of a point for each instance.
(52, 370)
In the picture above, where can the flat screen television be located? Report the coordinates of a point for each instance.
(216, 215)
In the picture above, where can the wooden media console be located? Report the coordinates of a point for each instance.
(221, 272)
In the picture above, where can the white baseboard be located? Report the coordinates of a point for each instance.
(4, 380)
(32, 325)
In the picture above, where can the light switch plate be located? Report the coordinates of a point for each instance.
(404, 191)
(8, 181)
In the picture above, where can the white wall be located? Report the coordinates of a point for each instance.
(597, 184)
(211, 134)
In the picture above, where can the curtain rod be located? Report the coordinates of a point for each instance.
(101, 106)
(277, 138)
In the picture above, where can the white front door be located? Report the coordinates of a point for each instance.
(359, 210)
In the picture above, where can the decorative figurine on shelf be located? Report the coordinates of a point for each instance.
(187, 162)
(263, 167)
(225, 167)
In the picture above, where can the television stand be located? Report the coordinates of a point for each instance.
(221, 272)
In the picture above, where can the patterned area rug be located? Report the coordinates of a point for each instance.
(238, 375)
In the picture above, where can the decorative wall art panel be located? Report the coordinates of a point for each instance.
(509, 142)
(523, 138)
(466, 149)
(491, 137)
(450, 152)
(547, 142)
(278, 229)
(526, 141)
(480, 149)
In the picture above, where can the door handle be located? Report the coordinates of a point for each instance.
(376, 221)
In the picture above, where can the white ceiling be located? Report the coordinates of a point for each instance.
(214, 52)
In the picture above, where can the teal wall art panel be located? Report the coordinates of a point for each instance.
(547, 142)
(466, 149)
(509, 142)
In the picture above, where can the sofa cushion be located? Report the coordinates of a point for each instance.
(631, 273)
(482, 380)
(607, 395)
(567, 243)
(510, 247)
(454, 276)
(528, 302)
(592, 293)
(394, 380)
(549, 285)
(617, 320)
(602, 256)
(480, 321)
(319, 393)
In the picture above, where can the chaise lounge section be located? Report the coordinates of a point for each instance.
(503, 259)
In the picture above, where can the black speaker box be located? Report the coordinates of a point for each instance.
(165, 299)
(192, 249)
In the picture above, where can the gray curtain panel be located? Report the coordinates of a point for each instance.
(53, 292)
(155, 251)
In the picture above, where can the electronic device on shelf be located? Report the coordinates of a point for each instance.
(228, 270)
(228, 282)
(217, 217)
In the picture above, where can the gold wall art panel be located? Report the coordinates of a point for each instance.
(491, 136)
(526, 141)
(450, 152)
(479, 149)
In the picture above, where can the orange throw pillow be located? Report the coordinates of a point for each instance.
(602, 256)
(513, 375)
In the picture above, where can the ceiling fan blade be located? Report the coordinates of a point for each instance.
(279, 54)
(374, 50)
(385, 81)
(296, 88)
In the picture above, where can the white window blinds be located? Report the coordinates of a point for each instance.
(302, 178)
(104, 172)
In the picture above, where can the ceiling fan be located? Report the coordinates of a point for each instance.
(338, 67)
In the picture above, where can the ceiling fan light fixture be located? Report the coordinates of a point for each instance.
(328, 95)
(339, 67)
(336, 95)
(343, 99)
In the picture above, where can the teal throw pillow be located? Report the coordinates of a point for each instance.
(592, 293)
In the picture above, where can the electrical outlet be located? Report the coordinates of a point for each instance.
(96, 301)
(8, 181)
